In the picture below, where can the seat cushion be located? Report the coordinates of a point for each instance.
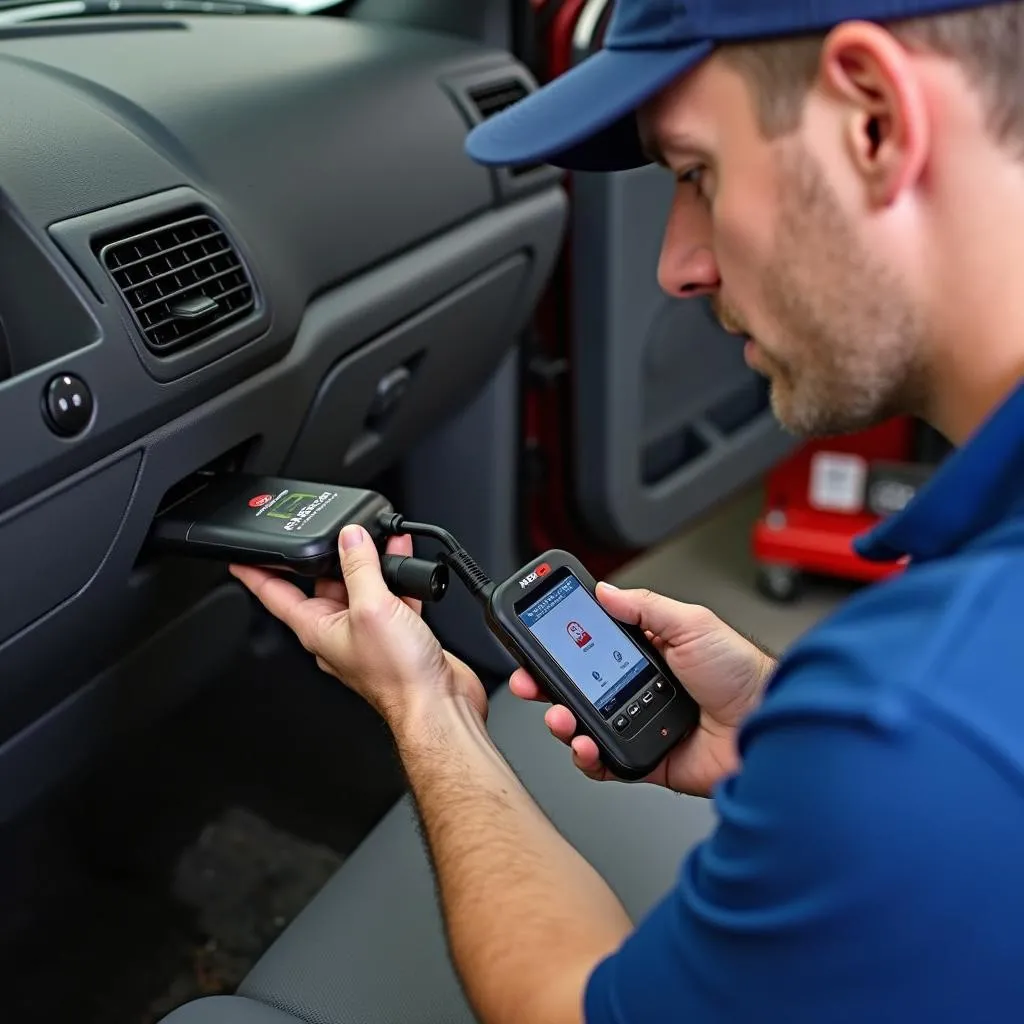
(228, 1010)
(370, 949)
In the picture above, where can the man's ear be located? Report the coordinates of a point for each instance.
(885, 124)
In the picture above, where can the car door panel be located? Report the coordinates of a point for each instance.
(641, 415)
(669, 419)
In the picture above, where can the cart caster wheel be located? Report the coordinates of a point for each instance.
(779, 582)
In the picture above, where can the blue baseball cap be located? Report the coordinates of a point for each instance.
(585, 119)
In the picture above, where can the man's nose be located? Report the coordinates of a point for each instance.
(687, 267)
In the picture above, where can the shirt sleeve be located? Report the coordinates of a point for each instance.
(860, 871)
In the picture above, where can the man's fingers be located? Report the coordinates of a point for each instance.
(360, 568)
(670, 620)
(332, 590)
(586, 757)
(282, 599)
(248, 575)
(400, 545)
(522, 684)
(561, 722)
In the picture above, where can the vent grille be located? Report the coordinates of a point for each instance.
(182, 280)
(495, 97)
(491, 99)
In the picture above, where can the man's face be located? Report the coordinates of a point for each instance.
(757, 226)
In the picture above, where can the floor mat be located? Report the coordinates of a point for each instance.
(245, 880)
(166, 873)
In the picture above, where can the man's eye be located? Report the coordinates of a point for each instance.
(694, 176)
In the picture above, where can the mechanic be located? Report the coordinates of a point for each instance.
(850, 195)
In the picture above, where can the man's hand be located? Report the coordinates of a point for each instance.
(723, 671)
(361, 633)
(527, 918)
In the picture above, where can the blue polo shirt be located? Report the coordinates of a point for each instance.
(868, 865)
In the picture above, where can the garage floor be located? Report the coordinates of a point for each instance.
(712, 565)
(168, 871)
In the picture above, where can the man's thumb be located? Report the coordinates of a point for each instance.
(657, 614)
(360, 564)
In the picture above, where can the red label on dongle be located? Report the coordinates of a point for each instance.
(260, 500)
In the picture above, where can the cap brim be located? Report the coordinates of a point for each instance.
(584, 120)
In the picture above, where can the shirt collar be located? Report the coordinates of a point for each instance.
(976, 487)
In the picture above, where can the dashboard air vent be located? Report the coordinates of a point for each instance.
(494, 97)
(182, 280)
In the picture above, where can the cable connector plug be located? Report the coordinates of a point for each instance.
(477, 582)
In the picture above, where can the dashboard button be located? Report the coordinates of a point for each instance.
(68, 404)
(633, 709)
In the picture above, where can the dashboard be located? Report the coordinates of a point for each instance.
(226, 243)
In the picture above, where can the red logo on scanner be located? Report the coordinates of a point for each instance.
(260, 500)
(542, 570)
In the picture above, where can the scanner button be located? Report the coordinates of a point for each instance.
(660, 685)
(621, 722)
(648, 697)
(633, 709)
(67, 404)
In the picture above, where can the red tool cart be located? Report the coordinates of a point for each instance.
(818, 500)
